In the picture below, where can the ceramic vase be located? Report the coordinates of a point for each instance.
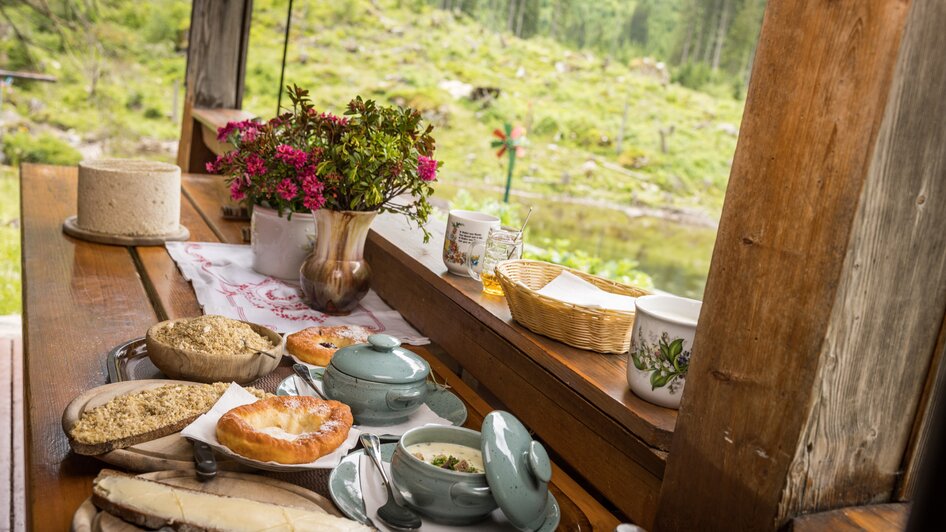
(659, 359)
(280, 244)
(335, 276)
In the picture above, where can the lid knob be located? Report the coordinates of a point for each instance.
(384, 343)
(539, 462)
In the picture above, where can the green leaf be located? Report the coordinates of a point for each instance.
(638, 363)
(665, 352)
(676, 347)
(658, 381)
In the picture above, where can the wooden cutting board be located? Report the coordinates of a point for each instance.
(170, 452)
(88, 518)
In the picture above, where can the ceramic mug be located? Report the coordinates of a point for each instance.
(464, 230)
(657, 364)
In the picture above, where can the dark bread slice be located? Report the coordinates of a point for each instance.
(92, 449)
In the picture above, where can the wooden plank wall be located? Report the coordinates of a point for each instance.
(216, 68)
(828, 286)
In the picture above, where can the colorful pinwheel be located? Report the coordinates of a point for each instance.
(512, 141)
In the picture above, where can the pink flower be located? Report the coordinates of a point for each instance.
(287, 190)
(236, 192)
(223, 134)
(215, 166)
(312, 191)
(307, 172)
(255, 165)
(314, 202)
(427, 168)
(249, 134)
(290, 155)
(335, 119)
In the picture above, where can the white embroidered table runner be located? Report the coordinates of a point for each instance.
(226, 284)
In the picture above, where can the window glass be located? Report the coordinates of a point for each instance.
(631, 109)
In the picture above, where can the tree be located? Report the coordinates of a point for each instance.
(637, 28)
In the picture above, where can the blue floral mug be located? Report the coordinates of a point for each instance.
(657, 364)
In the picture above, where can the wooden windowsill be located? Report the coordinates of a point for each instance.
(599, 379)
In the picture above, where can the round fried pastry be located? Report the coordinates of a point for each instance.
(316, 345)
(285, 430)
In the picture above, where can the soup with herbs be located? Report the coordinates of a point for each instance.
(449, 456)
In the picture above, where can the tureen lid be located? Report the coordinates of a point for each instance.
(517, 470)
(381, 360)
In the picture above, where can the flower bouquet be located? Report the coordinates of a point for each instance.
(344, 170)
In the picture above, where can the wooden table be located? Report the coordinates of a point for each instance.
(81, 299)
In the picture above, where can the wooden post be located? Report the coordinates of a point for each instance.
(216, 67)
(827, 289)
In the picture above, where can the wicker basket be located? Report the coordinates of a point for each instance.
(601, 330)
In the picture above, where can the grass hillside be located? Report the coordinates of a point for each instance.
(571, 102)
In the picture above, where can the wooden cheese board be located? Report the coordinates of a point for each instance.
(88, 518)
(170, 452)
(71, 228)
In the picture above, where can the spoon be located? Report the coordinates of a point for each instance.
(521, 229)
(303, 371)
(392, 513)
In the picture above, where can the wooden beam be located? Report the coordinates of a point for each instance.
(828, 285)
(216, 68)
(29, 76)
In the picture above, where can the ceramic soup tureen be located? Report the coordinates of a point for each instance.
(381, 382)
(515, 476)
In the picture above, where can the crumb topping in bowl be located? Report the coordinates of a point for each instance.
(213, 335)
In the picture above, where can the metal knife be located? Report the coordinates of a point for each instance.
(204, 461)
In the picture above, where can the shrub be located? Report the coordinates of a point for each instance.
(22, 147)
(546, 126)
(693, 75)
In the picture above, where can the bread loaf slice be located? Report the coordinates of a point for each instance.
(94, 449)
(146, 415)
(152, 504)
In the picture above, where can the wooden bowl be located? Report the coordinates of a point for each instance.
(195, 366)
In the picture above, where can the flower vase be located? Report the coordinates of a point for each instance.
(335, 276)
(280, 244)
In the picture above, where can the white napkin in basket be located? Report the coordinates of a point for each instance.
(204, 429)
(569, 288)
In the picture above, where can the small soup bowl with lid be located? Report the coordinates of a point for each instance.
(382, 383)
(515, 476)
